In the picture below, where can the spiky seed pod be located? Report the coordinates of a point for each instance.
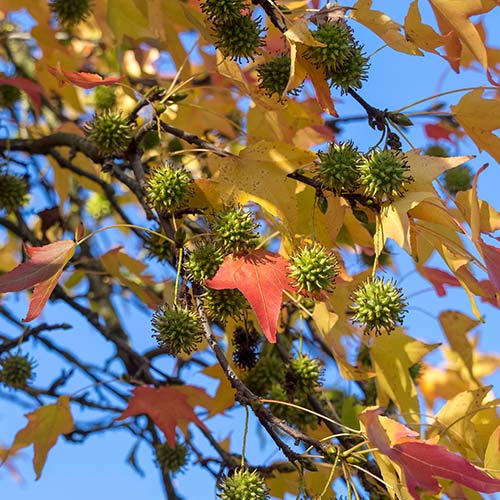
(167, 188)
(174, 459)
(223, 11)
(353, 72)
(16, 371)
(338, 40)
(437, 150)
(246, 342)
(177, 329)
(338, 167)
(104, 97)
(110, 132)
(159, 248)
(416, 371)
(313, 268)
(9, 95)
(241, 39)
(203, 262)
(305, 374)
(384, 175)
(274, 75)
(70, 12)
(268, 371)
(295, 416)
(234, 230)
(98, 206)
(13, 192)
(378, 305)
(243, 485)
(220, 305)
(458, 179)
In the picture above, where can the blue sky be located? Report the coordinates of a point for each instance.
(97, 469)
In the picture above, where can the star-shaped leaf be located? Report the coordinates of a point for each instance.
(261, 276)
(45, 426)
(169, 407)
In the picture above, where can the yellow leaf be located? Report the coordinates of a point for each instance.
(384, 27)
(113, 259)
(453, 422)
(224, 397)
(492, 454)
(259, 175)
(299, 32)
(393, 376)
(125, 18)
(456, 325)
(45, 425)
(480, 117)
(457, 13)
(422, 35)
(489, 218)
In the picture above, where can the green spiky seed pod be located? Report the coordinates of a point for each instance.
(104, 97)
(159, 248)
(234, 230)
(177, 329)
(16, 371)
(274, 75)
(243, 485)
(338, 167)
(151, 140)
(378, 305)
(295, 416)
(70, 12)
(9, 95)
(167, 188)
(458, 179)
(110, 132)
(304, 375)
(268, 371)
(98, 206)
(313, 268)
(338, 40)
(353, 72)
(220, 305)
(13, 192)
(174, 459)
(437, 150)
(241, 39)
(203, 262)
(223, 11)
(416, 371)
(246, 342)
(384, 175)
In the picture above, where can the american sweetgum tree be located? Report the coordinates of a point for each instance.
(183, 161)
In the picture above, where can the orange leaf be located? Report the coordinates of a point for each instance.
(167, 406)
(81, 79)
(420, 461)
(45, 425)
(42, 271)
(261, 276)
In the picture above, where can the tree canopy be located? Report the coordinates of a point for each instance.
(178, 186)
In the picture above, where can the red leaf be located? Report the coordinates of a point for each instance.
(438, 278)
(261, 276)
(436, 131)
(31, 88)
(423, 461)
(42, 271)
(81, 79)
(167, 406)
